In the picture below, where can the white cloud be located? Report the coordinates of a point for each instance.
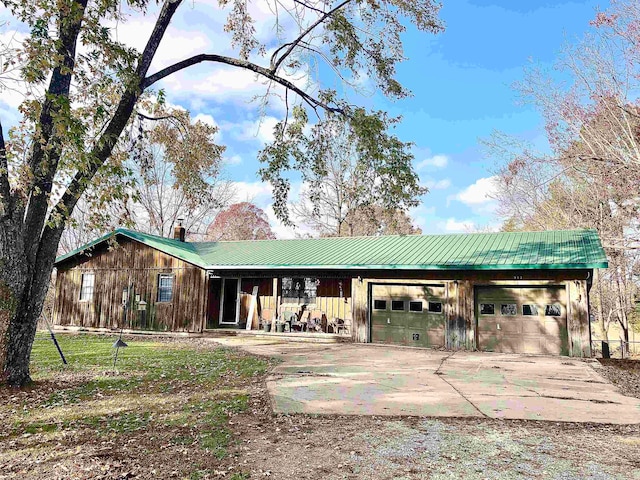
(437, 184)
(256, 192)
(233, 160)
(260, 130)
(422, 216)
(481, 192)
(437, 161)
(205, 118)
(283, 231)
(455, 226)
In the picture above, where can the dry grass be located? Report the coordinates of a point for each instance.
(163, 412)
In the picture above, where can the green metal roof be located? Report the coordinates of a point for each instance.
(572, 249)
(183, 250)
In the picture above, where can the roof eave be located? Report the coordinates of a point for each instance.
(564, 266)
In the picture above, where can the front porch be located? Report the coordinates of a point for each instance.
(287, 306)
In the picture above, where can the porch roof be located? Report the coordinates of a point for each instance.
(562, 249)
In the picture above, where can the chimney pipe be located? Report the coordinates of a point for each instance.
(179, 232)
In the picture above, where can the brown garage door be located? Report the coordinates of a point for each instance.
(522, 320)
(408, 315)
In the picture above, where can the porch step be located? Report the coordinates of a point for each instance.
(285, 336)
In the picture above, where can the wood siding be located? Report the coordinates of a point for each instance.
(131, 263)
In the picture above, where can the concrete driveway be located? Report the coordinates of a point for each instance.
(380, 380)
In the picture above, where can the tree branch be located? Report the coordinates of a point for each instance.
(48, 148)
(292, 45)
(104, 146)
(235, 62)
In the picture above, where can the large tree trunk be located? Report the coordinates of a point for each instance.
(24, 287)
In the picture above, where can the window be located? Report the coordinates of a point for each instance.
(529, 310)
(299, 290)
(487, 309)
(415, 306)
(435, 307)
(508, 309)
(165, 287)
(554, 310)
(379, 304)
(397, 305)
(88, 284)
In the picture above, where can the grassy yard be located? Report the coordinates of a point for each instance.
(163, 412)
(190, 409)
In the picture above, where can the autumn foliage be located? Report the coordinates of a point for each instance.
(241, 221)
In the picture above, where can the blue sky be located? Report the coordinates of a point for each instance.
(461, 80)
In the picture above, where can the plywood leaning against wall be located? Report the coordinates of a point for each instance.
(131, 263)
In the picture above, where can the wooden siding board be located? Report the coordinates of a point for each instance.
(140, 265)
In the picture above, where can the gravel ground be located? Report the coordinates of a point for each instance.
(625, 374)
(329, 447)
(345, 447)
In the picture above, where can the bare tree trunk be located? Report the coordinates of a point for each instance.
(604, 326)
(622, 315)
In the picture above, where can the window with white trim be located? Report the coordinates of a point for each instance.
(487, 309)
(87, 287)
(379, 304)
(397, 305)
(508, 309)
(415, 306)
(165, 287)
(435, 307)
(553, 310)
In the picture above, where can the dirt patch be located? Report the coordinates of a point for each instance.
(293, 447)
(625, 374)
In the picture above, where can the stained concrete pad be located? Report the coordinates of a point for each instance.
(380, 380)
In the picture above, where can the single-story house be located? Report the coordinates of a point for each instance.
(523, 292)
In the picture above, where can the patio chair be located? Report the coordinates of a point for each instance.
(337, 325)
(290, 318)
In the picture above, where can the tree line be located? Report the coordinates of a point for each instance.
(589, 176)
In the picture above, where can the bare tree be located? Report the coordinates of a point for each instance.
(350, 195)
(591, 176)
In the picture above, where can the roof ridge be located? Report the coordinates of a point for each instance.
(395, 235)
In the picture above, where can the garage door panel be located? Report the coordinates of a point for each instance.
(389, 334)
(436, 337)
(490, 340)
(496, 295)
(425, 321)
(533, 326)
(509, 325)
(555, 326)
(534, 334)
(407, 327)
(432, 292)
